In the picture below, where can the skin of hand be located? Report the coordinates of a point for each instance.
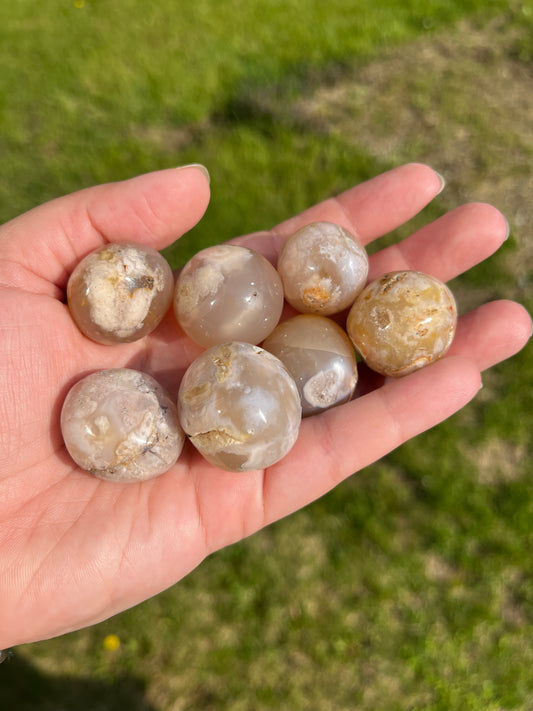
(75, 549)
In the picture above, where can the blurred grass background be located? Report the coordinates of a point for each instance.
(409, 586)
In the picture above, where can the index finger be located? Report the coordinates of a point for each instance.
(368, 210)
(377, 206)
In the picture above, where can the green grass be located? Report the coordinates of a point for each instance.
(83, 87)
(409, 586)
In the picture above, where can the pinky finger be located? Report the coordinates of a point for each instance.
(333, 445)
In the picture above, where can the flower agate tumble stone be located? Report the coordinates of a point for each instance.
(319, 356)
(120, 292)
(239, 407)
(228, 293)
(323, 267)
(402, 321)
(120, 425)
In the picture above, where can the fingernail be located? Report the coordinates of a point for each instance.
(199, 167)
(442, 182)
(508, 228)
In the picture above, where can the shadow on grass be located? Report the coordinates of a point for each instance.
(25, 688)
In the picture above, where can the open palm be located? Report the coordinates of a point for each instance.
(75, 549)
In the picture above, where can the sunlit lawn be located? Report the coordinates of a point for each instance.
(410, 585)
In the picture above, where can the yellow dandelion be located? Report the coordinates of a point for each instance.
(111, 643)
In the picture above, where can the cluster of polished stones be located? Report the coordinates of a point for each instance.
(241, 401)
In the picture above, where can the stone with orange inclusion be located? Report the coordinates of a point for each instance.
(315, 297)
(402, 321)
(323, 267)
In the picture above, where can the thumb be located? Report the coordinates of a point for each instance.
(40, 248)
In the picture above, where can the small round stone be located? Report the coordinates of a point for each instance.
(319, 356)
(121, 425)
(323, 267)
(228, 293)
(239, 407)
(402, 321)
(120, 293)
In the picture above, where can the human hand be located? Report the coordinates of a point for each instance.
(76, 549)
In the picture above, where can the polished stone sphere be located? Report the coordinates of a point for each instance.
(402, 321)
(120, 293)
(228, 293)
(319, 356)
(121, 425)
(239, 407)
(323, 267)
